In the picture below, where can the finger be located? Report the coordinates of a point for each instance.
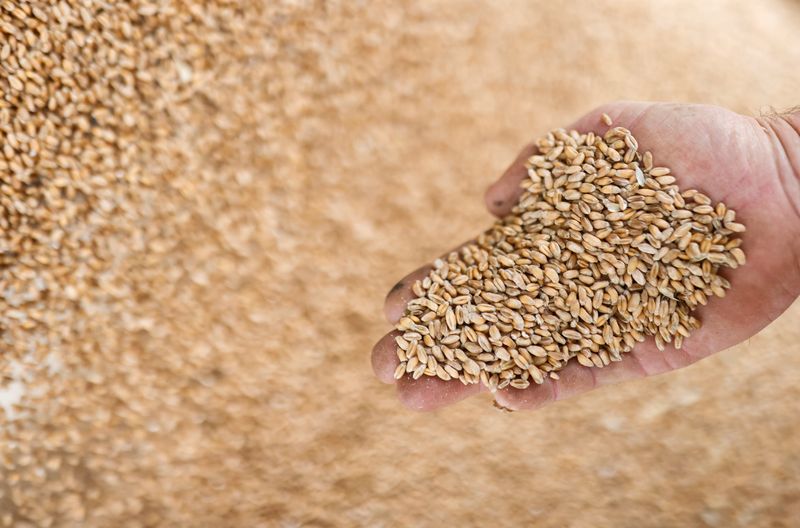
(400, 294)
(429, 393)
(424, 394)
(531, 398)
(575, 379)
(503, 194)
(384, 357)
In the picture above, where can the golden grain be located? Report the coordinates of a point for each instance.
(112, 115)
(595, 257)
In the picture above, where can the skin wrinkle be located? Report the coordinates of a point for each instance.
(793, 118)
(783, 152)
(635, 356)
(527, 399)
(641, 115)
(594, 379)
(647, 372)
(635, 360)
(790, 118)
(736, 189)
(556, 391)
(787, 153)
(684, 352)
(661, 124)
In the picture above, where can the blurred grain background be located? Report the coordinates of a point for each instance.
(326, 149)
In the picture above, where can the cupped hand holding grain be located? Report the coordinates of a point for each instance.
(752, 165)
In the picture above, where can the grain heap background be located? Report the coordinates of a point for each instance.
(271, 171)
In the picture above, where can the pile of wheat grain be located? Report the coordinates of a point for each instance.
(601, 251)
(86, 91)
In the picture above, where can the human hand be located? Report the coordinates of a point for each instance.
(753, 165)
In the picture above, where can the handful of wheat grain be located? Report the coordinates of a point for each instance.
(601, 251)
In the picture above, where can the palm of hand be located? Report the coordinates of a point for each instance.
(729, 157)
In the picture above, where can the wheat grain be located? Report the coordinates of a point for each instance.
(601, 251)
